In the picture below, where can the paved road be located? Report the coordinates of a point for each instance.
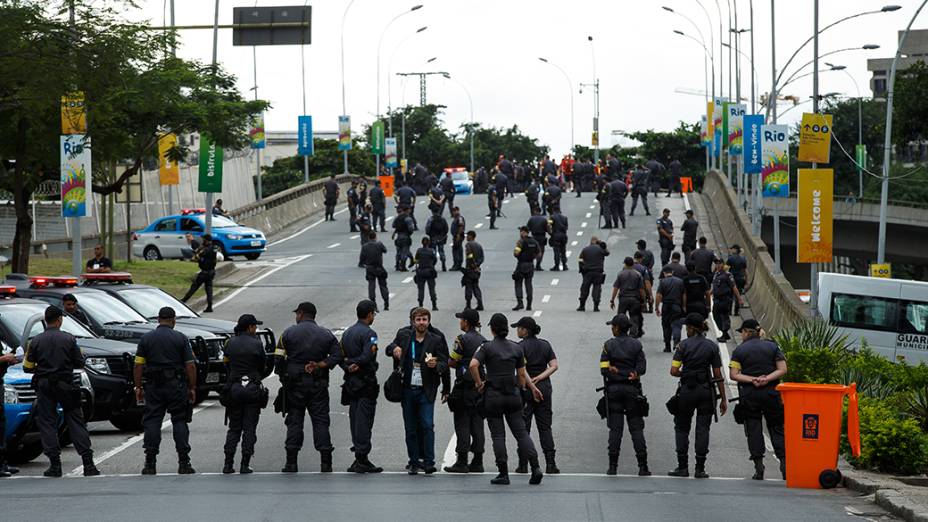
(316, 261)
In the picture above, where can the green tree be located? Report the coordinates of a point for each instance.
(326, 160)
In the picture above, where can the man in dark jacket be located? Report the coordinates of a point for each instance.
(425, 260)
(245, 357)
(332, 191)
(206, 260)
(372, 260)
(436, 228)
(525, 252)
(592, 267)
(378, 202)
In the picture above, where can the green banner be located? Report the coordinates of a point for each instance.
(377, 146)
(210, 166)
(861, 156)
(725, 122)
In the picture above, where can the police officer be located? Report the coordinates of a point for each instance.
(362, 193)
(69, 302)
(360, 389)
(540, 364)
(698, 292)
(618, 190)
(647, 258)
(558, 225)
(353, 202)
(757, 365)
(738, 267)
(665, 236)
(698, 364)
(436, 200)
(669, 305)
(504, 364)
(622, 363)
(405, 197)
(505, 174)
(164, 363)
(470, 280)
(531, 196)
(305, 354)
(378, 202)
(630, 288)
(703, 258)
(331, 191)
(244, 355)
(206, 260)
(458, 224)
(403, 227)
(648, 278)
(447, 186)
(640, 190)
(52, 357)
(602, 196)
(724, 294)
(538, 227)
(372, 259)
(468, 424)
(425, 260)
(552, 198)
(493, 205)
(675, 266)
(592, 264)
(689, 228)
(525, 252)
(436, 228)
(6, 360)
(676, 171)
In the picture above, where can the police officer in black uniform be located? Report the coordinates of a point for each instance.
(531, 196)
(622, 363)
(552, 198)
(353, 202)
(378, 202)
(592, 265)
(647, 258)
(166, 381)
(538, 227)
(405, 197)
(470, 280)
(525, 252)
(757, 365)
(698, 364)
(724, 294)
(436, 228)
(468, 424)
(447, 186)
(738, 268)
(360, 389)
(458, 224)
(558, 224)
(676, 171)
(206, 260)
(244, 355)
(493, 204)
(331, 191)
(426, 274)
(640, 180)
(630, 288)
(504, 363)
(698, 292)
(665, 236)
(372, 259)
(403, 227)
(436, 199)
(703, 258)
(676, 268)
(689, 228)
(52, 357)
(669, 306)
(618, 191)
(540, 363)
(602, 196)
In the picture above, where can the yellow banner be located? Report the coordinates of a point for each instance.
(710, 122)
(815, 138)
(169, 171)
(814, 225)
(73, 114)
(884, 270)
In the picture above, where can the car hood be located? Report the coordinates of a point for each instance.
(216, 326)
(236, 230)
(102, 347)
(139, 329)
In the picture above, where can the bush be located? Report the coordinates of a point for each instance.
(815, 352)
(889, 442)
(876, 376)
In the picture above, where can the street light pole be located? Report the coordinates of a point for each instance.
(860, 125)
(595, 103)
(570, 87)
(209, 195)
(772, 109)
(471, 126)
(813, 267)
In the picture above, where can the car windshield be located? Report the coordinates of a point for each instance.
(147, 301)
(106, 309)
(222, 222)
(459, 176)
(15, 316)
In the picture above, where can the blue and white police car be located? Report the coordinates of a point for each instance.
(165, 238)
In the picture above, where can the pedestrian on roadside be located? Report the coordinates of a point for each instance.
(245, 396)
(353, 201)
(331, 191)
(738, 267)
(540, 364)
(689, 228)
(99, 263)
(468, 424)
(665, 236)
(724, 295)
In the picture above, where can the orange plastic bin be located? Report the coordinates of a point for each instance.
(812, 425)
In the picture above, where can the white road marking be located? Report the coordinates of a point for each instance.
(686, 202)
(478, 225)
(580, 233)
(574, 243)
(334, 245)
(537, 313)
(588, 214)
(392, 295)
(389, 218)
(422, 202)
(407, 280)
(259, 278)
(448, 457)
(555, 281)
(486, 473)
(546, 298)
(356, 236)
(567, 254)
(592, 206)
(583, 225)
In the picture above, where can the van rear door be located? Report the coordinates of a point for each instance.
(912, 337)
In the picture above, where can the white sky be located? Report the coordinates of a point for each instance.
(492, 47)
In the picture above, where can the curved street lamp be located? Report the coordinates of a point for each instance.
(570, 87)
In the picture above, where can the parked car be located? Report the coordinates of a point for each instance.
(164, 238)
(461, 178)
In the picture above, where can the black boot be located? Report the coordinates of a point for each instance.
(503, 478)
(683, 469)
(613, 464)
(700, 471)
(550, 464)
(518, 306)
(582, 307)
(643, 470)
(183, 465)
(290, 466)
(365, 465)
(523, 466)
(54, 467)
(5, 471)
(325, 458)
(596, 306)
(528, 304)
(476, 465)
(537, 475)
(459, 466)
(479, 306)
(245, 467)
(229, 465)
(90, 469)
(150, 464)
(758, 468)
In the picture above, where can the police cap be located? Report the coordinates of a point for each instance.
(696, 320)
(622, 321)
(470, 315)
(529, 324)
(749, 324)
(306, 307)
(246, 320)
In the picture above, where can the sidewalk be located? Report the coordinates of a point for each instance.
(904, 500)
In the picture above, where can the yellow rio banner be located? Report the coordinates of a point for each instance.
(815, 138)
(814, 225)
(73, 114)
(168, 171)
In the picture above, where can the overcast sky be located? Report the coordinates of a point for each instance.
(492, 48)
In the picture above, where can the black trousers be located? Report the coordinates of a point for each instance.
(329, 209)
(644, 201)
(420, 284)
(759, 405)
(632, 307)
(468, 427)
(617, 211)
(497, 424)
(560, 252)
(379, 219)
(384, 292)
(671, 322)
(472, 287)
(721, 313)
(353, 213)
(623, 406)
(543, 415)
(542, 241)
(161, 398)
(594, 280)
(361, 413)
(204, 278)
(449, 201)
(494, 213)
(2, 436)
(666, 250)
(526, 278)
(402, 251)
(698, 400)
(687, 250)
(440, 251)
(46, 411)
(606, 215)
(243, 425)
(310, 396)
(457, 253)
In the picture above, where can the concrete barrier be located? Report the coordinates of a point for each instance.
(773, 300)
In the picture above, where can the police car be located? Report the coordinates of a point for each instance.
(112, 319)
(461, 179)
(165, 238)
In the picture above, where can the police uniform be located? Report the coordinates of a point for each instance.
(470, 280)
(559, 225)
(696, 287)
(502, 184)
(372, 259)
(676, 170)
(165, 354)
(403, 227)
(426, 274)
(525, 252)
(52, 357)
(538, 227)
(447, 186)
(436, 228)
(538, 355)
(672, 291)
(353, 201)
(493, 201)
(689, 229)
(592, 266)
(300, 344)
(330, 199)
(207, 266)
(624, 397)
(458, 225)
(702, 257)
(378, 208)
(630, 283)
(756, 357)
(723, 296)
(602, 196)
(531, 196)
(468, 424)
(676, 268)
(738, 268)
(666, 244)
(245, 357)
(696, 357)
(640, 190)
(552, 198)
(360, 391)
(618, 190)
(436, 200)
(647, 258)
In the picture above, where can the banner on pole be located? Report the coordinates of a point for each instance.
(168, 171)
(753, 163)
(73, 114)
(377, 137)
(390, 154)
(815, 138)
(256, 134)
(736, 127)
(774, 146)
(703, 131)
(210, 166)
(75, 176)
(344, 133)
(725, 124)
(814, 226)
(860, 155)
(717, 110)
(304, 145)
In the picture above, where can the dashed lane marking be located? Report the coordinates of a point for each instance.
(567, 254)
(555, 281)
(537, 313)
(592, 206)
(407, 280)
(546, 298)
(478, 225)
(589, 214)
(580, 233)
(392, 295)
(334, 245)
(356, 236)
(389, 218)
(583, 225)
(574, 243)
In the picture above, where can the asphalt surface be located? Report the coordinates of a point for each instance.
(316, 261)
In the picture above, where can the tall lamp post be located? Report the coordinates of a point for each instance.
(705, 56)
(570, 87)
(470, 128)
(595, 86)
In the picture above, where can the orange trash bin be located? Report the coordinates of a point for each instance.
(812, 427)
(386, 183)
(686, 184)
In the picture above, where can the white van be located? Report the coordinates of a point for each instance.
(891, 314)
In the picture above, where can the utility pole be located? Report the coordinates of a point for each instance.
(772, 101)
(209, 195)
(422, 81)
(76, 237)
(813, 267)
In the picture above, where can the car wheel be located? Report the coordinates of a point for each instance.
(25, 453)
(151, 253)
(252, 256)
(127, 421)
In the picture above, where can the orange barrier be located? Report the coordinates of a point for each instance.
(686, 183)
(386, 183)
(812, 425)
